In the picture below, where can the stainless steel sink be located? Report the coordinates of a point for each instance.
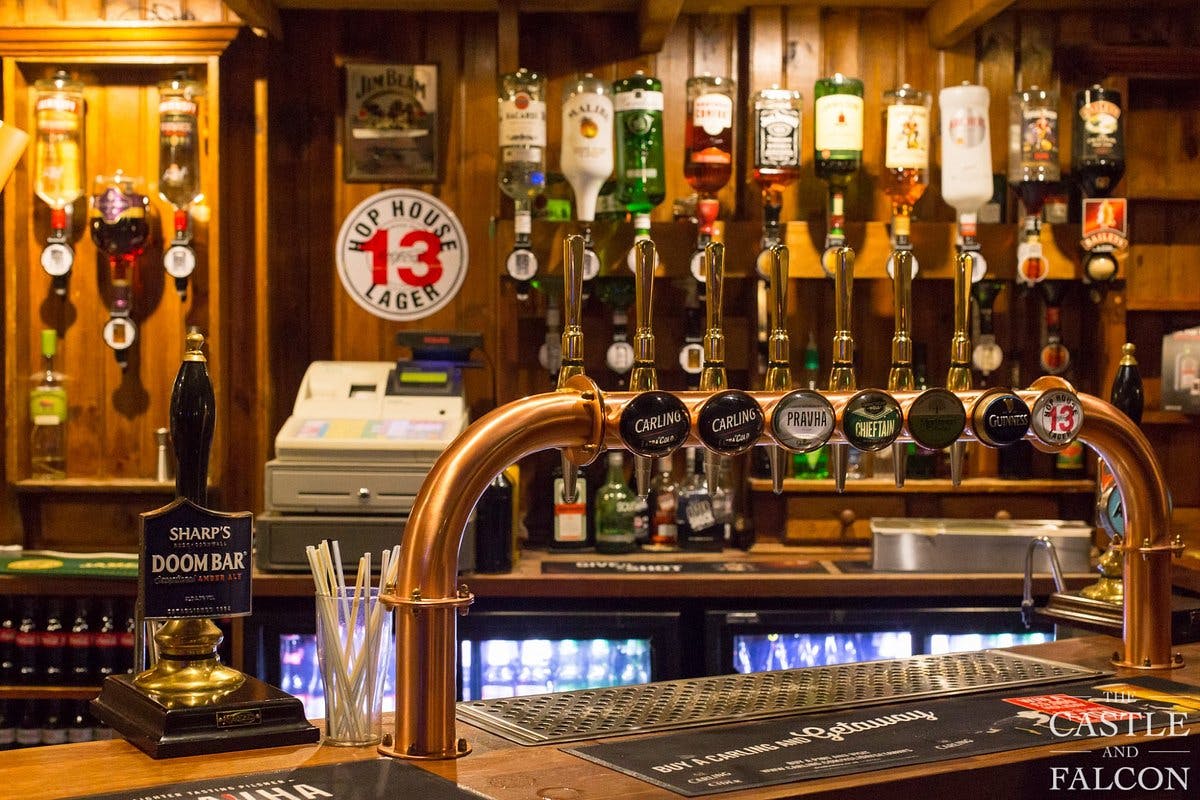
(900, 544)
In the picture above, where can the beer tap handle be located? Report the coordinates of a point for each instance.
(958, 379)
(900, 376)
(572, 339)
(193, 413)
(713, 377)
(779, 371)
(841, 374)
(643, 377)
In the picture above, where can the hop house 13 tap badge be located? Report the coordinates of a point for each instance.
(402, 254)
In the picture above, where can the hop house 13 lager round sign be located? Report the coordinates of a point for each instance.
(402, 254)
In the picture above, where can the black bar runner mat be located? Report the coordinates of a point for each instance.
(749, 755)
(586, 566)
(352, 780)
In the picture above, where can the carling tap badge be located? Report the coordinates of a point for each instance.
(402, 254)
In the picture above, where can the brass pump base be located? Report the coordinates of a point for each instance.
(188, 672)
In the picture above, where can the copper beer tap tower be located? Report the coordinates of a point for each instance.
(582, 421)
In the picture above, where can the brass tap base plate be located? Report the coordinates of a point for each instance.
(252, 716)
(389, 750)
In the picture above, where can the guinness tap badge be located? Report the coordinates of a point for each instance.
(872, 420)
(1000, 417)
(654, 424)
(730, 422)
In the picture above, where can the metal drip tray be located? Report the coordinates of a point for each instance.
(623, 710)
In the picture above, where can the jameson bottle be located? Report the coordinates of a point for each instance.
(616, 506)
(838, 145)
(1098, 140)
(641, 175)
(838, 136)
(708, 133)
(48, 415)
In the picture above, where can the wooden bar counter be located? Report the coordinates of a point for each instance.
(505, 771)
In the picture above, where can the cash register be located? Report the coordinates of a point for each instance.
(361, 439)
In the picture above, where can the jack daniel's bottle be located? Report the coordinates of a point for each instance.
(696, 521)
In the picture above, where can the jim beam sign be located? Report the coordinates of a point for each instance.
(402, 254)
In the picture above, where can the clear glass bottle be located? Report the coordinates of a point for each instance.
(1033, 168)
(522, 110)
(777, 135)
(696, 522)
(708, 133)
(906, 153)
(616, 505)
(179, 140)
(58, 153)
(48, 415)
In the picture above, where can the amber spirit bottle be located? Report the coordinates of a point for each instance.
(906, 154)
(708, 135)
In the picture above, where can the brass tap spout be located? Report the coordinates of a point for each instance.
(580, 420)
(643, 377)
(900, 376)
(572, 339)
(958, 379)
(841, 374)
(713, 377)
(779, 370)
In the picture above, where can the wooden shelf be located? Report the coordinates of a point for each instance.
(1158, 417)
(49, 692)
(96, 486)
(1163, 304)
(931, 486)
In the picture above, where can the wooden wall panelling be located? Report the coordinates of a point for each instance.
(881, 54)
(766, 41)
(1164, 130)
(997, 71)
(802, 67)
(673, 69)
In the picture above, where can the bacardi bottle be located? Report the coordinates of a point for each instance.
(587, 153)
(838, 146)
(641, 172)
(522, 110)
(905, 158)
(966, 163)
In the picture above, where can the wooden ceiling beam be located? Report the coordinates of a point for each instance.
(951, 21)
(655, 19)
(260, 14)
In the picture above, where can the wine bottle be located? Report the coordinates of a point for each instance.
(615, 508)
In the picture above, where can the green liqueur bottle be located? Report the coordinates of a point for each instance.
(48, 415)
(616, 507)
(641, 174)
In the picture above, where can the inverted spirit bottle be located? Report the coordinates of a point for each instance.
(1098, 158)
(641, 172)
(587, 153)
(966, 163)
(58, 166)
(48, 416)
(179, 169)
(522, 110)
(118, 218)
(1033, 171)
(708, 153)
(905, 159)
(838, 146)
(776, 155)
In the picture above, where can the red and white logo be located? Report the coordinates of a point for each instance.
(402, 254)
